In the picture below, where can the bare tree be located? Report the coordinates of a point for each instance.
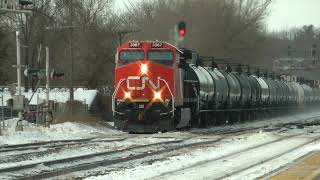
(224, 28)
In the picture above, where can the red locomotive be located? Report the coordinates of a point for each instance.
(143, 99)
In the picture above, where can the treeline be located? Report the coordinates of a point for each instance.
(91, 42)
(220, 28)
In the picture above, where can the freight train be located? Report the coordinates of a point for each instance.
(159, 87)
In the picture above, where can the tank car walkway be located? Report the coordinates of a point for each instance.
(305, 168)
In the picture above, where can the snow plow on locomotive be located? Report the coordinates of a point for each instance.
(159, 87)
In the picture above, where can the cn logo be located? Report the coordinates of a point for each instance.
(144, 80)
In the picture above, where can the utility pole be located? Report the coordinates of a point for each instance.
(19, 68)
(48, 117)
(71, 56)
(47, 76)
(71, 51)
(18, 101)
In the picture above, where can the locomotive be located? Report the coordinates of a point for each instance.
(159, 87)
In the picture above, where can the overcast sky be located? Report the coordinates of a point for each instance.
(291, 13)
(283, 13)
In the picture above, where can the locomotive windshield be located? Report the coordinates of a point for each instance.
(127, 57)
(162, 57)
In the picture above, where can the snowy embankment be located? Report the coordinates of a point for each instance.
(57, 95)
(63, 131)
(201, 164)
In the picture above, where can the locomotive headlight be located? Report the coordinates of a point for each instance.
(144, 68)
(127, 95)
(157, 95)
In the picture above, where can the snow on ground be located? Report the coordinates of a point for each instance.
(304, 116)
(63, 131)
(57, 95)
(188, 158)
(177, 167)
(170, 163)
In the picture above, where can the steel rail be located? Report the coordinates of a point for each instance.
(105, 161)
(49, 149)
(268, 159)
(229, 155)
(30, 146)
(81, 157)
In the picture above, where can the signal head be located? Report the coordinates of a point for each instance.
(182, 28)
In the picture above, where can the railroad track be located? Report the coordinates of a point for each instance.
(50, 144)
(236, 154)
(85, 162)
(80, 163)
(39, 150)
(30, 146)
(244, 168)
(229, 129)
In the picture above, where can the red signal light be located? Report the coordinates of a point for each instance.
(182, 28)
(182, 32)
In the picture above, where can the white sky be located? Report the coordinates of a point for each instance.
(292, 13)
(283, 13)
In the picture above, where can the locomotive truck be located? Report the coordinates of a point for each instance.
(159, 87)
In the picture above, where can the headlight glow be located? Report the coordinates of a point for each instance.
(127, 95)
(157, 95)
(144, 68)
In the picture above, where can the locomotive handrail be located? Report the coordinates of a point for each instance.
(170, 94)
(113, 96)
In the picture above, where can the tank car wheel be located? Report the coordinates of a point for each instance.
(228, 117)
(223, 118)
(238, 117)
(199, 122)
